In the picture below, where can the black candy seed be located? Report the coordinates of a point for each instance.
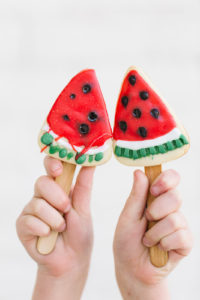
(72, 96)
(144, 95)
(132, 79)
(66, 117)
(86, 88)
(123, 125)
(137, 113)
(92, 117)
(83, 128)
(124, 101)
(142, 132)
(155, 113)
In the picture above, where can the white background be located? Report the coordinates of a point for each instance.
(42, 45)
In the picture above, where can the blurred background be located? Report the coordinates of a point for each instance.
(42, 45)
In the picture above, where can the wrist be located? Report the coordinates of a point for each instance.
(133, 289)
(66, 286)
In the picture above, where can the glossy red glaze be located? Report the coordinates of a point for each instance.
(78, 109)
(155, 127)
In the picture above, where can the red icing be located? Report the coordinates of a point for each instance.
(155, 127)
(78, 109)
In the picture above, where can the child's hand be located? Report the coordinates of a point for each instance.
(136, 276)
(71, 256)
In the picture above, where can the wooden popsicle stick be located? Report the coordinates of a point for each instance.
(45, 245)
(158, 257)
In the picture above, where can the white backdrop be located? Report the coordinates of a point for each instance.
(42, 45)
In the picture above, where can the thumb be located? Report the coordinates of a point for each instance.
(136, 202)
(82, 190)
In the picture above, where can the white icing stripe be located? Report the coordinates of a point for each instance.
(170, 136)
(64, 142)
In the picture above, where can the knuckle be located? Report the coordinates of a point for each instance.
(176, 197)
(163, 182)
(174, 222)
(63, 202)
(173, 173)
(59, 224)
(181, 237)
(38, 206)
(164, 244)
(39, 184)
(28, 224)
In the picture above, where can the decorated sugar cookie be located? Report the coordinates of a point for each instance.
(77, 129)
(146, 133)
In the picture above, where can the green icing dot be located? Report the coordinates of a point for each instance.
(81, 159)
(130, 153)
(178, 143)
(157, 149)
(47, 139)
(183, 139)
(143, 152)
(135, 154)
(70, 155)
(63, 153)
(126, 152)
(90, 159)
(99, 156)
(118, 151)
(162, 149)
(169, 146)
(54, 149)
(152, 151)
(147, 151)
(139, 154)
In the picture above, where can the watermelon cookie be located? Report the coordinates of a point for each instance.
(77, 129)
(145, 133)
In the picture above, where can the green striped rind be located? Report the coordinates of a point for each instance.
(143, 152)
(53, 147)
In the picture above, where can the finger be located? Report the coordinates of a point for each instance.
(82, 190)
(29, 226)
(53, 166)
(46, 213)
(136, 202)
(166, 226)
(181, 241)
(164, 182)
(163, 205)
(48, 189)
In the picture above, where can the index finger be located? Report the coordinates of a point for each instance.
(166, 181)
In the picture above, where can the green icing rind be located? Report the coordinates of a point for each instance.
(143, 152)
(118, 151)
(47, 138)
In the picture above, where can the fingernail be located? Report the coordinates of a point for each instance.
(63, 227)
(146, 242)
(55, 167)
(67, 208)
(155, 190)
(148, 216)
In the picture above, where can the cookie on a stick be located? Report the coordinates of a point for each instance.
(76, 131)
(146, 133)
